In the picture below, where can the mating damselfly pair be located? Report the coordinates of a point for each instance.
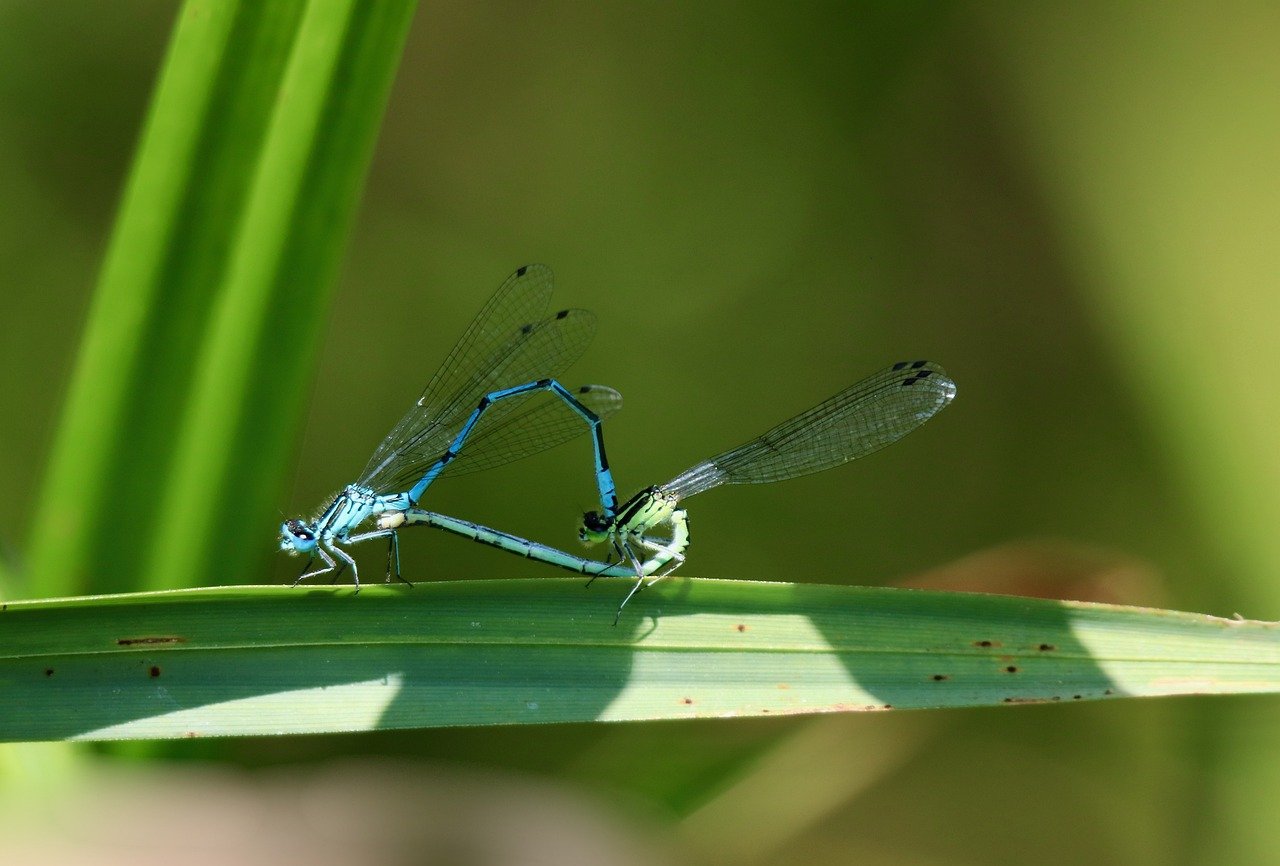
(497, 399)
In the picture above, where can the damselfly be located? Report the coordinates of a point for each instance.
(474, 414)
(858, 421)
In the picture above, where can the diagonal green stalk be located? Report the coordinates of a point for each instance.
(95, 428)
(303, 193)
(273, 660)
(232, 222)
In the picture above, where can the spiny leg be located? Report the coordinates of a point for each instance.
(639, 580)
(328, 566)
(393, 548)
(347, 560)
(608, 563)
(660, 545)
(393, 552)
(675, 558)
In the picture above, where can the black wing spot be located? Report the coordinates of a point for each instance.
(520, 272)
(526, 329)
(916, 365)
(562, 314)
(900, 365)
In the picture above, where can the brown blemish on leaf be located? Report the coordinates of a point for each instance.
(135, 641)
(1047, 647)
(937, 678)
(686, 701)
(742, 626)
(155, 671)
(783, 686)
(48, 672)
(1011, 669)
(987, 643)
(1026, 700)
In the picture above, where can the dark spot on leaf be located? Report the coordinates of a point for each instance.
(742, 627)
(687, 701)
(48, 672)
(1107, 692)
(1047, 647)
(986, 643)
(155, 671)
(134, 641)
(940, 677)
(1076, 697)
(1013, 669)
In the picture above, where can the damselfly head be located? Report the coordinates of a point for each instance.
(296, 537)
(595, 528)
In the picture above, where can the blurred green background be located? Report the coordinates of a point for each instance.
(1074, 207)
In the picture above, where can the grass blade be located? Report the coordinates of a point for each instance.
(273, 660)
(231, 226)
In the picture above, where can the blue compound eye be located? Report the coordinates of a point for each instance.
(298, 529)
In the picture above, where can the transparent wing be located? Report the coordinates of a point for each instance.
(546, 423)
(858, 421)
(535, 351)
(520, 300)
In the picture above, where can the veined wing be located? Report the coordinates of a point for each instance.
(858, 421)
(533, 351)
(521, 299)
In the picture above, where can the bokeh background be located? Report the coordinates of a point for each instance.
(1074, 207)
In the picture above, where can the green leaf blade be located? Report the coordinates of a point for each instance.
(273, 660)
(220, 267)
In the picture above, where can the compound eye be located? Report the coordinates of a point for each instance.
(297, 529)
(593, 521)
